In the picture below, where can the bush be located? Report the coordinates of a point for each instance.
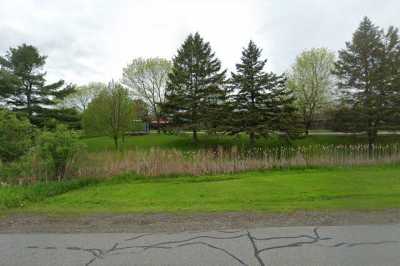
(54, 151)
(17, 172)
(16, 136)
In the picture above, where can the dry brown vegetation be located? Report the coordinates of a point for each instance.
(159, 162)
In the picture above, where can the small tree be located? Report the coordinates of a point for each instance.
(195, 87)
(147, 79)
(110, 113)
(55, 150)
(15, 136)
(311, 82)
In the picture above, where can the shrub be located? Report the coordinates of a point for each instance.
(54, 151)
(16, 136)
(17, 172)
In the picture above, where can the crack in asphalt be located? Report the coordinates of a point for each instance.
(350, 245)
(256, 250)
(304, 239)
(137, 237)
(195, 238)
(215, 247)
(314, 239)
(229, 231)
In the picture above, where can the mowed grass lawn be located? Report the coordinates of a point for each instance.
(184, 141)
(361, 188)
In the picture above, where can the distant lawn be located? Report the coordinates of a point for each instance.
(184, 141)
(362, 188)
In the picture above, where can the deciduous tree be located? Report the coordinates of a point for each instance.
(16, 136)
(83, 95)
(147, 80)
(110, 113)
(311, 81)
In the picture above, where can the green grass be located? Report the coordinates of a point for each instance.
(19, 196)
(362, 188)
(184, 141)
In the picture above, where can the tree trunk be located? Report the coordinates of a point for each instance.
(307, 126)
(116, 142)
(29, 103)
(195, 139)
(372, 135)
(252, 138)
(158, 125)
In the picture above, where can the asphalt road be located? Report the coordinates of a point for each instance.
(331, 245)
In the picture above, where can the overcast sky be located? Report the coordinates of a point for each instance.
(92, 40)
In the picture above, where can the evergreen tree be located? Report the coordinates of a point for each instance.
(261, 102)
(26, 85)
(7, 84)
(194, 93)
(368, 71)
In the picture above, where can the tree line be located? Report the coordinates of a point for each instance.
(359, 91)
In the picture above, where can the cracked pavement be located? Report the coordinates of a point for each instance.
(326, 245)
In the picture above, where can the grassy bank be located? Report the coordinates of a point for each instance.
(19, 196)
(361, 188)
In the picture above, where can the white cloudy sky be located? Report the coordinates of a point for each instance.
(91, 40)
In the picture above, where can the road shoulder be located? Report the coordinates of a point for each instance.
(170, 223)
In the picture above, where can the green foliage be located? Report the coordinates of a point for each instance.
(362, 188)
(147, 79)
(183, 142)
(138, 126)
(110, 113)
(69, 117)
(194, 95)
(16, 135)
(54, 151)
(141, 110)
(19, 196)
(83, 95)
(24, 81)
(311, 81)
(260, 103)
(368, 77)
(8, 83)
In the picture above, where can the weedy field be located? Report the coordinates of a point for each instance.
(170, 173)
(355, 188)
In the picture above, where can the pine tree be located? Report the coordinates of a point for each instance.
(7, 84)
(194, 93)
(28, 92)
(368, 71)
(261, 102)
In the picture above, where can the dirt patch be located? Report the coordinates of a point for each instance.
(134, 223)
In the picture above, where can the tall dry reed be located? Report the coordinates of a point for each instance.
(159, 162)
